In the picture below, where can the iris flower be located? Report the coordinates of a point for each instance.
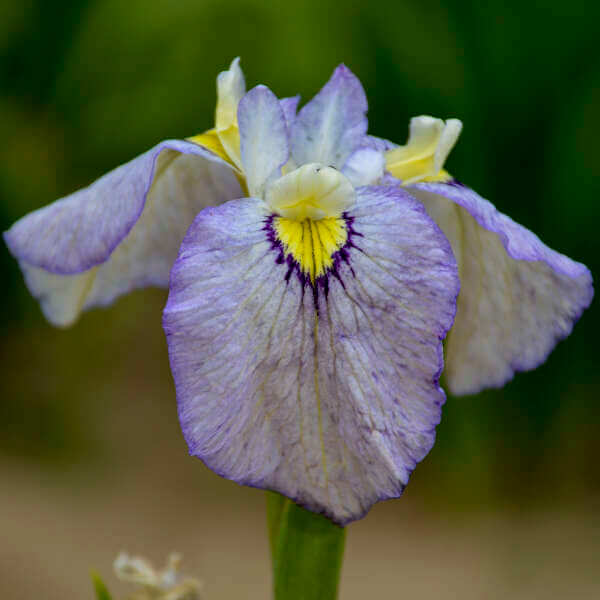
(309, 289)
(304, 323)
(307, 306)
(518, 297)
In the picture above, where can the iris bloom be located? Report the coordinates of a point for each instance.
(309, 302)
(304, 323)
(305, 319)
(518, 297)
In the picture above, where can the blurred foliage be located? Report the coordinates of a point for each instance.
(88, 84)
(100, 588)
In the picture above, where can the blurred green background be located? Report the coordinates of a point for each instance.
(92, 459)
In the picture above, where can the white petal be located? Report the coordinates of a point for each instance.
(231, 88)
(264, 137)
(113, 236)
(364, 166)
(424, 133)
(61, 297)
(447, 140)
(518, 297)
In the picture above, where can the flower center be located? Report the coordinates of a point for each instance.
(311, 243)
(308, 223)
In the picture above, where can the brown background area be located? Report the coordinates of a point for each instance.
(129, 484)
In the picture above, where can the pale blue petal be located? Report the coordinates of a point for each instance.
(263, 137)
(518, 297)
(381, 144)
(120, 233)
(329, 393)
(333, 124)
(289, 106)
(364, 166)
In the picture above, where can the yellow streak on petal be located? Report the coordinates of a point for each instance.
(231, 87)
(307, 248)
(311, 243)
(316, 243)
(230, 140)
(414, 170)
(442, 176)
(408, 168)
(212, 141)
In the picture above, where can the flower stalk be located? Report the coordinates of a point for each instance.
(306, 551)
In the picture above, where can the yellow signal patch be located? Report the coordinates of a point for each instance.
(311, 243)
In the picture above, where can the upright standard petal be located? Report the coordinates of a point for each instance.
(289, 106)
(306, 354)
(333, 124)
(518, 297)
(120, 233)
(264, 137)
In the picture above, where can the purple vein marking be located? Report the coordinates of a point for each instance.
(321, 283)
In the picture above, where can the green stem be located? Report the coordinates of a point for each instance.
(306, 550)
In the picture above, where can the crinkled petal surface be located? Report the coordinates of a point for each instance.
(333, 124)
(327, 393)
(263, 137)
(120, 233)
(518, 297)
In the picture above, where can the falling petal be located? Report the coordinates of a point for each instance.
(311, 366)
(120, 233)
(518, 297)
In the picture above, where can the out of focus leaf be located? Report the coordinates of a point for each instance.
(100, 588)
